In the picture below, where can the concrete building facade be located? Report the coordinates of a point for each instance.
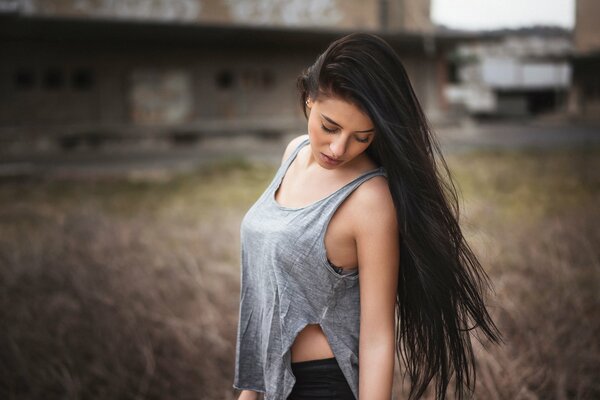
(585, 93)
(513, 73)
(83, 72)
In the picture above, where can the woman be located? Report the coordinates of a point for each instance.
(355, 247)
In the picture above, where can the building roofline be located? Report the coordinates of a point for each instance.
(451, 35)
(222, 35)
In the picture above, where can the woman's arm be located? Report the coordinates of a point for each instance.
(377, 241)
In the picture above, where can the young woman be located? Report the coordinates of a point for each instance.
(354, 252)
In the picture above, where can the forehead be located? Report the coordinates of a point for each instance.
(347, 114)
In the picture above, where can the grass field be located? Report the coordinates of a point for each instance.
(129, 288)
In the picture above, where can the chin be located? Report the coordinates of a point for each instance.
(330, 167)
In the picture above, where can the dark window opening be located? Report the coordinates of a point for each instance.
(185, 138)
(591, 89)
(542, 101)
(225, 79)
(24, 79)
(453, 73)
(54, 79)
(82, 79)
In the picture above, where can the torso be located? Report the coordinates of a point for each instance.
(303, 187)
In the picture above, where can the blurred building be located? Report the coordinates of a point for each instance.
(585, 94)
(512, 73)
(83, 72)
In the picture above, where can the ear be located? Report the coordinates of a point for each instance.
(309, 102)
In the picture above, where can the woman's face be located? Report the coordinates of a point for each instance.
(339, 132)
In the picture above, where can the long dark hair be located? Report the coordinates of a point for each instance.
(441, 282)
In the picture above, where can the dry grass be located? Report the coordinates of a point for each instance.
(130, 288)
(533, 218)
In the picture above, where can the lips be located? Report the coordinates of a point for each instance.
(330, 160)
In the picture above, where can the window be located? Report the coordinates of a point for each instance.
(54, 78)
(248, 79)
(24, 79)
(82, 79)
(225, 79)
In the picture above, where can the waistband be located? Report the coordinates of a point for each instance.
(311, 364)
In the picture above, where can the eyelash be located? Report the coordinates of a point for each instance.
(327, 129)
(333, 130)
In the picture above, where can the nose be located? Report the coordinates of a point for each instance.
(338, 146)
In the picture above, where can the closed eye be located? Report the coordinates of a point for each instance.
(329, 130)
(326, 129)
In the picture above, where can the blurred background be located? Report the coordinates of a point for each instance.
(135, 134)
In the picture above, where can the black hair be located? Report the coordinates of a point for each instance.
(441, 282)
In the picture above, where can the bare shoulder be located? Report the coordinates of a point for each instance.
(374, 192)
(292, 145)
(375, 206)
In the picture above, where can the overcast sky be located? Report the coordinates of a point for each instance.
(493, 14)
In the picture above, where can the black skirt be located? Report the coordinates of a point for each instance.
(320, 379)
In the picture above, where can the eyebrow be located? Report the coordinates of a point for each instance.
(335, 123)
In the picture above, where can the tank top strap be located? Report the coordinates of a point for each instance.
(339, 196)
(333, 203)
(286, 164)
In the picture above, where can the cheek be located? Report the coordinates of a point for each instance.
(314, 128)
(360, 148)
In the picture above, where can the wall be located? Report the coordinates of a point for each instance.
(587, 34)
(409, 15)
(352, 14)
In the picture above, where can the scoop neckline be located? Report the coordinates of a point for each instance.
(287, 167)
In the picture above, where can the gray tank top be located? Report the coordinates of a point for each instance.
(286, 283)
